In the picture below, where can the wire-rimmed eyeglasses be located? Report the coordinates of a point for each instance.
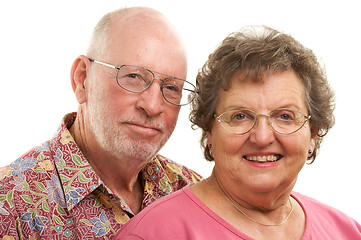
(283, 121)
(137, 79)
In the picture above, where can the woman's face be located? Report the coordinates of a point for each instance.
(236, 155)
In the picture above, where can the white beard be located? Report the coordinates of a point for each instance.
(111, 138)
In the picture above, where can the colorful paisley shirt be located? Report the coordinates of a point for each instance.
(51, 192)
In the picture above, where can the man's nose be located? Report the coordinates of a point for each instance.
(151, 100)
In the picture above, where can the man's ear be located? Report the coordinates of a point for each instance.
(78, 76)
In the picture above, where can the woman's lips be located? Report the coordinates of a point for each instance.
(263, 158)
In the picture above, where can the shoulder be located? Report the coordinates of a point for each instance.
(321, 217)
(312, 205)
(163, 176)
(25, 176)
(174, 169)
(36, 160)
(18, 179)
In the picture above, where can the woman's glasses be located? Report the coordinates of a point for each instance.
(283, 121)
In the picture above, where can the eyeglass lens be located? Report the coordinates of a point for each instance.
(241, 121)
(137, 79)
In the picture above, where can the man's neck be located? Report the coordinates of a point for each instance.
(123, 182)
(119, 175)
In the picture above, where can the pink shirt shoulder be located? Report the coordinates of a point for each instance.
(184, 216)
(325, 222)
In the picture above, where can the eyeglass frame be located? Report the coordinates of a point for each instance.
(154, 78)
(218, 118)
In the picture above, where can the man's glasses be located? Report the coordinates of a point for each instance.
(283, 121)
(138, 79)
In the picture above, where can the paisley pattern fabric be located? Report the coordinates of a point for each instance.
(51, 192)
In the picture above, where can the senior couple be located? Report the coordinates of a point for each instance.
(262, 101)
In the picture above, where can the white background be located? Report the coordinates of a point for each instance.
(40, 39)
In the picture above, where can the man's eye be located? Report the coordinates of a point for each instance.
(132, 75)
(172, 88)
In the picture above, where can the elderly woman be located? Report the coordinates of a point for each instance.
(264, 105)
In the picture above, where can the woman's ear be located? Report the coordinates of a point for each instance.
(313, 138)
(78, 76)
(209, 138)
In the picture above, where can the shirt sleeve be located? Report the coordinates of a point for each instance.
(8, 222)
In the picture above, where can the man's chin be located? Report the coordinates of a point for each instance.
(133, 150)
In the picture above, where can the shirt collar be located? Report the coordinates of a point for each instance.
(77, 177)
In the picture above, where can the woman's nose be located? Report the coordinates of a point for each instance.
(262, 133)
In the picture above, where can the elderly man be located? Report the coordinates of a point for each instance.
(102, 167)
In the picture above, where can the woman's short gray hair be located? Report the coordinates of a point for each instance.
(254, 51)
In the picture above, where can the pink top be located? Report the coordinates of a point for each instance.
(184, 216)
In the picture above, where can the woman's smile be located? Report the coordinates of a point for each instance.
(263, 158)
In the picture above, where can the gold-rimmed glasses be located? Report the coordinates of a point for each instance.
(283, 121)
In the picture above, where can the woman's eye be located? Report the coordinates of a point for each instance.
(238, 116)
(284, 115)
(242, 116)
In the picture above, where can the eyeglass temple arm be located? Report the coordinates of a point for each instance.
(104, 64)
(190, 90)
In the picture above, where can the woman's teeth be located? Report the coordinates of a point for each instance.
(268, 158)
